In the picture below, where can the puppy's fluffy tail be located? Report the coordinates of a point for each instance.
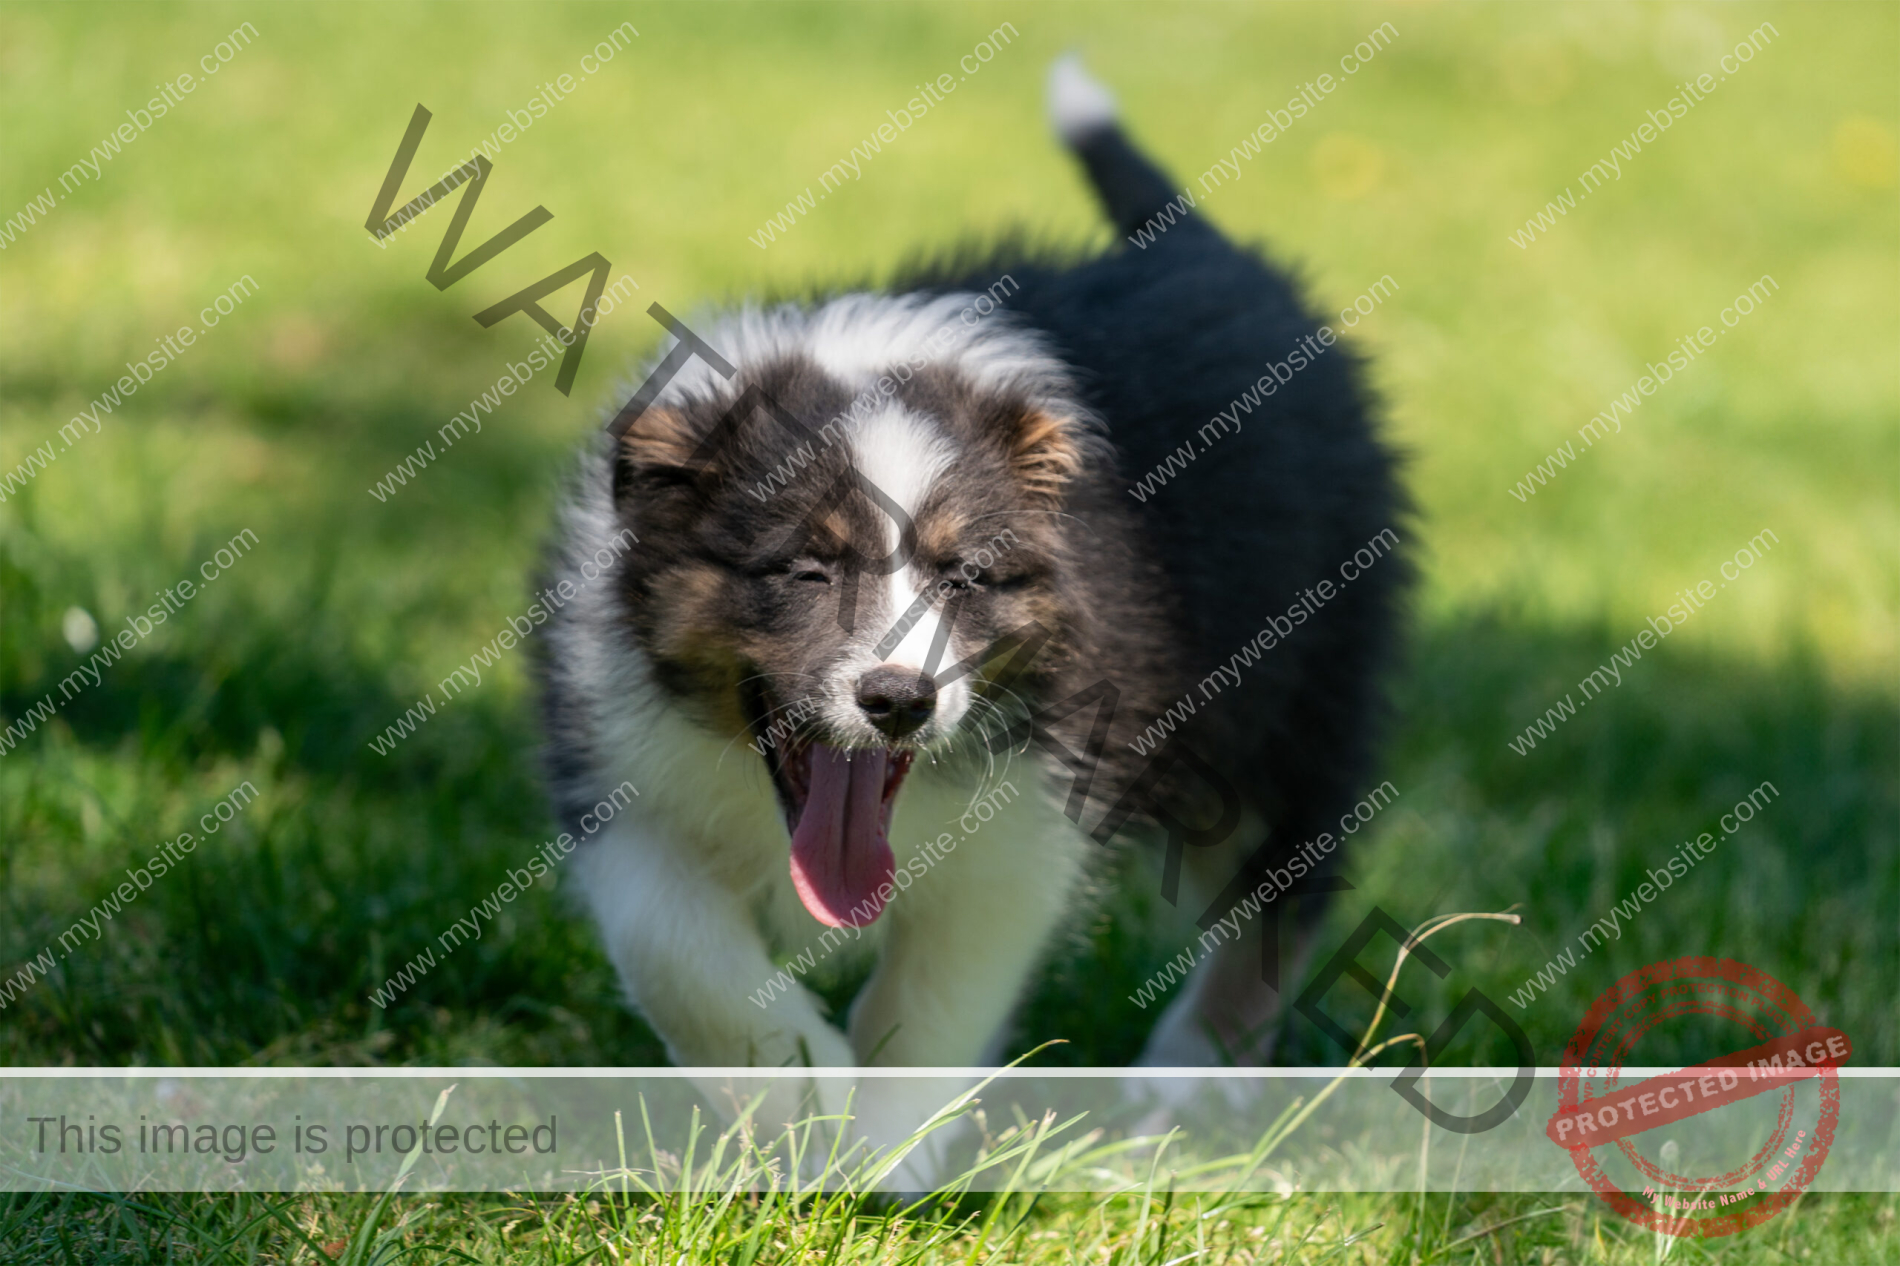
(1135, 192)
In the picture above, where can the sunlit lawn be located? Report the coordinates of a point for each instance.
(264, 947)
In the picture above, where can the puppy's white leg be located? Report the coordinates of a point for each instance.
(964, 937)
(693, 961)
(961, 943)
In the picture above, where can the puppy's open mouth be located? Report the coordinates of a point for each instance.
(837, 804)
(838, 807)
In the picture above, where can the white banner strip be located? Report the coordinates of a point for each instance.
(568, 1129)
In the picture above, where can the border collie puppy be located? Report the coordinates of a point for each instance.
(891, 568)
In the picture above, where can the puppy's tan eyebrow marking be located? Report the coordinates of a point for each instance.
(834, 529)
(939, 532)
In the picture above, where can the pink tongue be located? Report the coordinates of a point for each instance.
(840, 854)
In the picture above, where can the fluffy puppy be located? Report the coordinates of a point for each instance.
(900, 645)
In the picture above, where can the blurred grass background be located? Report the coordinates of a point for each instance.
(264, 946)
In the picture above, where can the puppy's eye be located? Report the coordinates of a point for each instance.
(810, 570)
(958, 578)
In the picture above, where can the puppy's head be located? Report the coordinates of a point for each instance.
(833, 564)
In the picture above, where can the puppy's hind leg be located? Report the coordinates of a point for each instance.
(1231, 1010)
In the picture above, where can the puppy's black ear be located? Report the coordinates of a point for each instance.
(659, 450)
(1045, 452)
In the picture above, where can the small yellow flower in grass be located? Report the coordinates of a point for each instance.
(1536, 70)
(1865, 152)
(1347, 166)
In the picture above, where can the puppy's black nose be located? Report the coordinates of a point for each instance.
(897, 700)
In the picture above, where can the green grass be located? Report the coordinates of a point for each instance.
(1055, 1230)
(263, 948)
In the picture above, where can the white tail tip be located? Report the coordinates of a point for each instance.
(1079, 104)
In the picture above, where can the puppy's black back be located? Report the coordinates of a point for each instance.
(1258, 507)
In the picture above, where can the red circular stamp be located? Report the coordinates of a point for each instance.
(1752, 1126)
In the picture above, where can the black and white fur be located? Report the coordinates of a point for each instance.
(1035, 420)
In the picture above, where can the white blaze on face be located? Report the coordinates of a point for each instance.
(903, 455)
